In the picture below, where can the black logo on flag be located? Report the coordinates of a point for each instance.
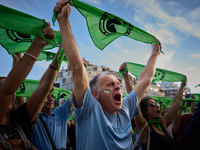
(107, 25)
(49, 57)
(22, 88)
(18, 37)
(159, 74)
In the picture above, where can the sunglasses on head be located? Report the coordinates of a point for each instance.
(154, 105)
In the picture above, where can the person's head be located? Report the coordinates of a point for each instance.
(12, 102)
(150, 109)
(183, 122)
(49, 103)
(107, 90)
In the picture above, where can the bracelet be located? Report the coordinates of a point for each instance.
(31, 56)
(50, 66)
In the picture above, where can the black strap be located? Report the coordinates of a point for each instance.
(48, 134)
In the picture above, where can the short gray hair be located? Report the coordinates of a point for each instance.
(93, 82)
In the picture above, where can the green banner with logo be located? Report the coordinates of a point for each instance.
(105, 27)
(28, 87)
(160, 74)
(18, 29)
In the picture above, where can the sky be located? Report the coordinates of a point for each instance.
(175, 23)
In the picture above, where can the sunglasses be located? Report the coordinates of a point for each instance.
(50, 96)
(154, 105)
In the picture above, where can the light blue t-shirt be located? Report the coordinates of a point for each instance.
(98, 130)
(56, 123)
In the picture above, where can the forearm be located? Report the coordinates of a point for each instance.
(36, 100)
(149, 70)
(70, 46)
(175, 106)
(127, 81)
(146, 76)
(79, 74)
(22, 68)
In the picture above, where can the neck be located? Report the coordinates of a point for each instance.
(47, 111)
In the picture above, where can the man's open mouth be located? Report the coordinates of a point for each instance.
(117, 97)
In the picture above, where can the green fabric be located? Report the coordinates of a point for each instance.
(60, 57)
(166, 100)
(133, 132)
(160, 74)
(48, 56)
(71, 117)
(105, 27)
(191, 100)
(156, 122)
(60, 93)
(17, 30)
(197, 85)
(28, 87)
(197, 95)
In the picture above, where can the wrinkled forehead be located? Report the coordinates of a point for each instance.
(106, 78)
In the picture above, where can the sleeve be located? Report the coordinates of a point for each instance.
(22, 117)
(64, 110)
(192, 131)
(89, 103)
(130, 104)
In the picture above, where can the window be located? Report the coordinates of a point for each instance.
(64, 80)
(64, 86)
(72, 85)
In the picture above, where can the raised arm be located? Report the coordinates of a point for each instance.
(148, 72)
(144, 81)
(20, 71)
(19, 100)
(127, 80)
(70, 47)
(168, 118)
(36, 101)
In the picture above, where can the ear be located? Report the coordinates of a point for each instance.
(96, 94)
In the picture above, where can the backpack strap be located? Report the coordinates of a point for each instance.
(139, 136)
(5, 144)
(23, 136)
(48, 134)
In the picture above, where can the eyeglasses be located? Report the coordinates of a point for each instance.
(50, 96)
(154, 105)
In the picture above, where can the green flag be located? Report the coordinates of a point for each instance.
(48, 56)
(28, 87)
(18, 27)
(197, 85)
(197, 95)
(105, 27)
(61, 93)
(166, 100)
(160, 74)
(15, 42)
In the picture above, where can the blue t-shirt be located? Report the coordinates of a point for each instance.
(98, 130)
(56, 123)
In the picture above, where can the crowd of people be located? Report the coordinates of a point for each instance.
(102, 119)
